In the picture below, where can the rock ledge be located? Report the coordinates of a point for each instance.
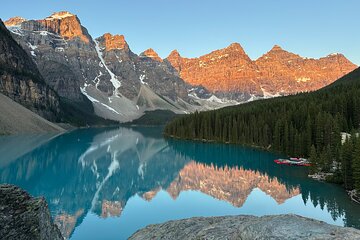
(24, 217)
(246, 227)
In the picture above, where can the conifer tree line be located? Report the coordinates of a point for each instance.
(305, 125)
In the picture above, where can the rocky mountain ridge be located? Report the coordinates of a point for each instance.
(122, 85)
(14, 21)
(21, 81)
(278, 72)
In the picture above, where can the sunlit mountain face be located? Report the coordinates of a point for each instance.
(108, 183)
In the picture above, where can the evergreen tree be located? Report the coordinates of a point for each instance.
(356, 165)
(306, 124)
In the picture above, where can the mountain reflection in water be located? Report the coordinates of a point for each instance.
(101, 171)
(233, 185)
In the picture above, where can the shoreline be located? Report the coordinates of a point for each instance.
(321, 176)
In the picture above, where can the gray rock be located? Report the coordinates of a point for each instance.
(244, 227)
(24, 217)
(21, 81)
(120, 84)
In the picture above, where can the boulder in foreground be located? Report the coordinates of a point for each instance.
(24, 217)
(247, 228)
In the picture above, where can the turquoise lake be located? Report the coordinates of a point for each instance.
(106, 183)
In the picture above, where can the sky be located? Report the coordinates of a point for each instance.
(311, 28)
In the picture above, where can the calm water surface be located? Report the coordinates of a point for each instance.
(108, 183)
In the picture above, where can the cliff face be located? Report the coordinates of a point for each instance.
(134, 71)
(14, 21)
(150, 53)
(276, 72)
(24, 217)
(119, 84)
(285, 72)
(21, 81)
(112, 42)
(66, 25)
(63, 50)
(227, 70)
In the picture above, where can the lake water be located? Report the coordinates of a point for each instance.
(108, 183)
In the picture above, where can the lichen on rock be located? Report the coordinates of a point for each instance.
(24, 217)
(245, 227)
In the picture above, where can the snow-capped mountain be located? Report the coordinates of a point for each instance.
(122, 85)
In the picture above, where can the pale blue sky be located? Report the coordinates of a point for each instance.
(311, 28)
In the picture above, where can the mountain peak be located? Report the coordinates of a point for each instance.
(175, 59)
(277, 52)
(67, 25)
(174, 53)
(150, 53)
(235, 47)
(112, 42)
(60, 15)
(14, 21)
(276, 48)
(335, 55)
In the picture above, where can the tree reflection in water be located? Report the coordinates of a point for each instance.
(99, 170)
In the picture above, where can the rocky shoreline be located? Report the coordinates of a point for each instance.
(323, 177)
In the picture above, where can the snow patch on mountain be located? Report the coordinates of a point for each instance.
(15, 30)
(115, 82)
(303, 79)
(32, 46)
(214, 98)
(60, 15)
(83, 91)
(267, 94)
(93, 100)
(141, 78)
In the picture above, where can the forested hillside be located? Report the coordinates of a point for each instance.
(306, 124)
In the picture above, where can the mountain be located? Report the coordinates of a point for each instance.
(150, 53)
(288, 124)
(14, 21)
(120, 84)
(225, 70)
(103, 76)
(278, 72)
(286, 72)
(311, 125)
(21, 81)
